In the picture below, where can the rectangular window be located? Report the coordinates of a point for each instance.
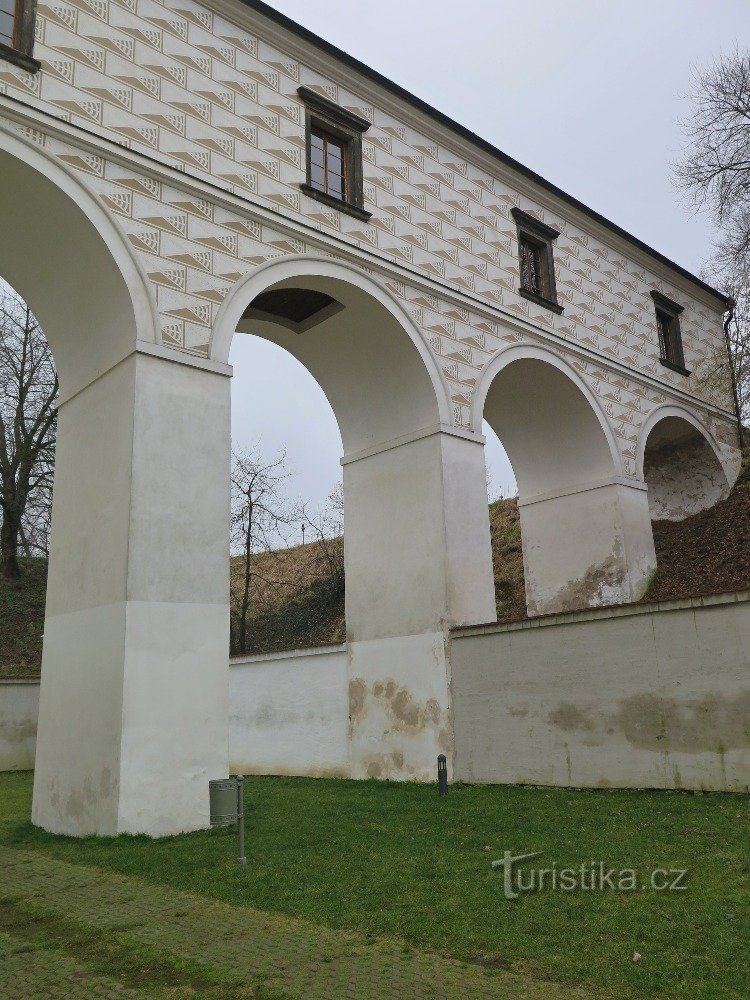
(17, 33)
(328, 158)
(537, 264)
(334, 154)
(531, 266)
(670, 335)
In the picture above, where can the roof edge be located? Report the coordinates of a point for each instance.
(416, 102)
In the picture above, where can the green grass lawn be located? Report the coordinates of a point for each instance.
(395, 859)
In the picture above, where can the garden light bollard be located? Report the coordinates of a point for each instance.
(442, 774)
(227, 806)
(241, 859)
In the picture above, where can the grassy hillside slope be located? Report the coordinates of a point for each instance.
(297, 604)
(22, 621)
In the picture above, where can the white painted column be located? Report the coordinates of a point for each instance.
(133, 718)
(586, 546)
(418, 561)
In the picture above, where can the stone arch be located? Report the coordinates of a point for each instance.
(68, 258)
(681, 463)
(539, 386)
(416, 523)
(364, 338)
(390, 403)
(585, 531)
(114, 508)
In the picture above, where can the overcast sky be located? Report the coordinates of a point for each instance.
(588, 93)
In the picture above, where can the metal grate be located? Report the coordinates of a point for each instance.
(531, 266)
(670, 341)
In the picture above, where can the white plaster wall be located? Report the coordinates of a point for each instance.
(639, 697)
(134, 678)
(417, 538)
(399, 705)
(19, 709)
(441, 237)
(289, 713)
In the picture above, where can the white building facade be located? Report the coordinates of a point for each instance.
(175, 173)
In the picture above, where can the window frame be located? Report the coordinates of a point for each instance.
(669, 310)
(541, 237)
(20, 52)
(329, 138)
(347, 129)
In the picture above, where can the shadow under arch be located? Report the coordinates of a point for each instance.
(681, 463)
(68, 259)
(586, 536)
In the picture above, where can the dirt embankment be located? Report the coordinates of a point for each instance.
(295, 605)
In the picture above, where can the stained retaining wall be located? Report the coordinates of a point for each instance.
(19, 708)
(289, 713)
(651, 696)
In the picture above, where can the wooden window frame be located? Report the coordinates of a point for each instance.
(20, 53)
(347, 129)
(329, 138)
(541, 237)
(669, 311)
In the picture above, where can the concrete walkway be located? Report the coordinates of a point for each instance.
(71, 932)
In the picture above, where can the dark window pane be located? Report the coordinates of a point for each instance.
(327, 164)
(7, 19)
(317, 177)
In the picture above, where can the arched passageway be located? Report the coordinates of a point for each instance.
(681, 467)
(63, 254)
(389, 403)
(416, 523)
(133, 700)
(585, 530)
(137, 623)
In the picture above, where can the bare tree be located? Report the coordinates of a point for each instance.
(28, 423)
(715, 171)
(327, 528)
(260, 515)
(715, 175)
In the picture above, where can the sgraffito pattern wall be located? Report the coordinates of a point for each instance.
(194, 92)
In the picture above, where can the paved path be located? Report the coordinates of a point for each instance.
(72, 932)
